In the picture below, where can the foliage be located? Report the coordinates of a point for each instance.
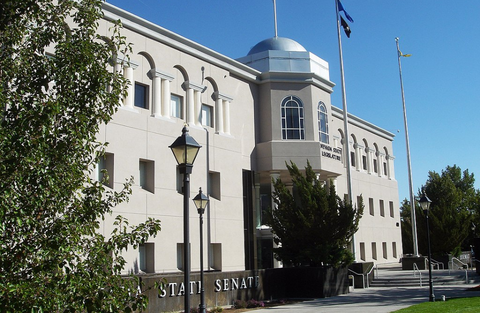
(455, 204)
(252, 303)
(53, 257)
(315, 214)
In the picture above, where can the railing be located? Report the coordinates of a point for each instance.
(434, 263)
(368, 273)
(358, 274)
(460, 265)
(416, 270)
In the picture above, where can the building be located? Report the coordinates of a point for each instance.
(250, 115)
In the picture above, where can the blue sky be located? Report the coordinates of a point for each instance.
(441, 79)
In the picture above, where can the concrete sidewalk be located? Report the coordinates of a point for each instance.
(379, 300)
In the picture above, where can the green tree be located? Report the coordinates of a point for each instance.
(311, 225)
(52, 256)
(454, 205)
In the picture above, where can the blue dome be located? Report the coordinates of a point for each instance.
(277, 43)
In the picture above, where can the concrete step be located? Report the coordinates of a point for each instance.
(407, 279)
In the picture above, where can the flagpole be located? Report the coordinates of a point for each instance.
(410, 183)
(345, 122)
(275, 17)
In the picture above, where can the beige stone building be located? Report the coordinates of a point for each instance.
(250, 115)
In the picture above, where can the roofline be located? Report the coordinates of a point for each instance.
(355, 120)
(156, 32)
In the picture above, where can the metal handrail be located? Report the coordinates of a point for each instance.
(369, 272)
(434, 263)
(416, 270)
(358, 274)
(464, 266)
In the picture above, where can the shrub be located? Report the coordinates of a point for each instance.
(255, 304)
(240, 304)
(217, 309)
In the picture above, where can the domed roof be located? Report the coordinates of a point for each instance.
(277, 43)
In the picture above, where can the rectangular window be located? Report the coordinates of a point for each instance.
(362, 251)
(352, 158)
(147, 175)
(146, 258)
(364, 160)
(375, 166)
(216, 249)
(180, 254)
(394, 249)
(374, 250)
(382, 208)
(384, 250)
(176, 106)
(141, 96)
(371, 207)
(207, 115)
(392, 214)
(104, 172)
(385, 168)
(215, 187)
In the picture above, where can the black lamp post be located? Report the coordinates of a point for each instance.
(201, 202)
(185, 150)
(425, 203)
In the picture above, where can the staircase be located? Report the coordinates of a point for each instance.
(388, 277)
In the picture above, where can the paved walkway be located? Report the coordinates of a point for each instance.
(376, 299)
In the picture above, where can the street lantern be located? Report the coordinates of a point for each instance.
(425, 204)
(201, 202)
(185, 150)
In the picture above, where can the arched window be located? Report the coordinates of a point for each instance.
(292, 118)
(322, 123)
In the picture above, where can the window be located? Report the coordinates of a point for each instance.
(146, 258)
(394, 249)
(392, 214)
(215, 190)
(147, 175)
(374, 250)
(216, 249)
(382, 208)
(176, 106)
(384, 250)
(322, 123)
(104, 172)
(364, 160)
(362, 251)
(292, 118)
(352, 158)
(180, 258)
(370, 206)
(207, 115)
(385, 168)
(375, 166)
(141, 96)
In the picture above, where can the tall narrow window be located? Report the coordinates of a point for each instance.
(176, 106)
(371, 207)
(146, 175)
(104, 172)
(323, 123)
(207, 115)
(141, 96)
(292, 118)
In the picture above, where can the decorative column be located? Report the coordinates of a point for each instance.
(156, 92)
(226, 116)
(218, 113)
(166, 97)
(369, 152)
(128, 67)
(358, 156)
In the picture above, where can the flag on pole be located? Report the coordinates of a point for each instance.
(340, 8)
(404, 55)
(345, 26)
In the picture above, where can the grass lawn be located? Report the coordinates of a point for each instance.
(450, 306)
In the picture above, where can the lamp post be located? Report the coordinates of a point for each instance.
(425, 203)
(201, 202)
(185, 150)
